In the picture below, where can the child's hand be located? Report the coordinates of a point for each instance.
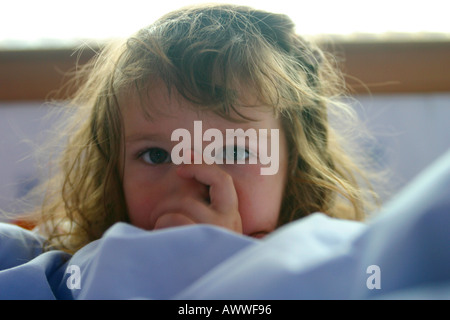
(219, 207)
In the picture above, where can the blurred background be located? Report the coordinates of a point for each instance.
(395, 54)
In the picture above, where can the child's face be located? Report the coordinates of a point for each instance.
(160, 194)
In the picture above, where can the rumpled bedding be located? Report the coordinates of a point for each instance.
(402, 252)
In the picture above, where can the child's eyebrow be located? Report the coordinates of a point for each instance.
(145, 136)
(235, 132)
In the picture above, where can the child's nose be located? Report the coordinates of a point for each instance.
(196, 156)
(191, 187)
(192, 156)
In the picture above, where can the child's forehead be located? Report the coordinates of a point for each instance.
(159, 101)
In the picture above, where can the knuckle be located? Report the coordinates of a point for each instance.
(227, 178)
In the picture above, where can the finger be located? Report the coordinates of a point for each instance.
(192, 208)
(196, 210)
(222, 193)
(172, 220)
(193, 211)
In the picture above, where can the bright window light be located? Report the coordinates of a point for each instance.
(52, 23)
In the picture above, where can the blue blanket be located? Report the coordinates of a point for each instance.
(403, 252)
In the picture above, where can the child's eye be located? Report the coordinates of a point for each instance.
(235, 154)
(155, 156)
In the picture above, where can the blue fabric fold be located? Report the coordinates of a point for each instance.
(402, 252)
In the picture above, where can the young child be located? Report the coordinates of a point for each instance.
(205, 70)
